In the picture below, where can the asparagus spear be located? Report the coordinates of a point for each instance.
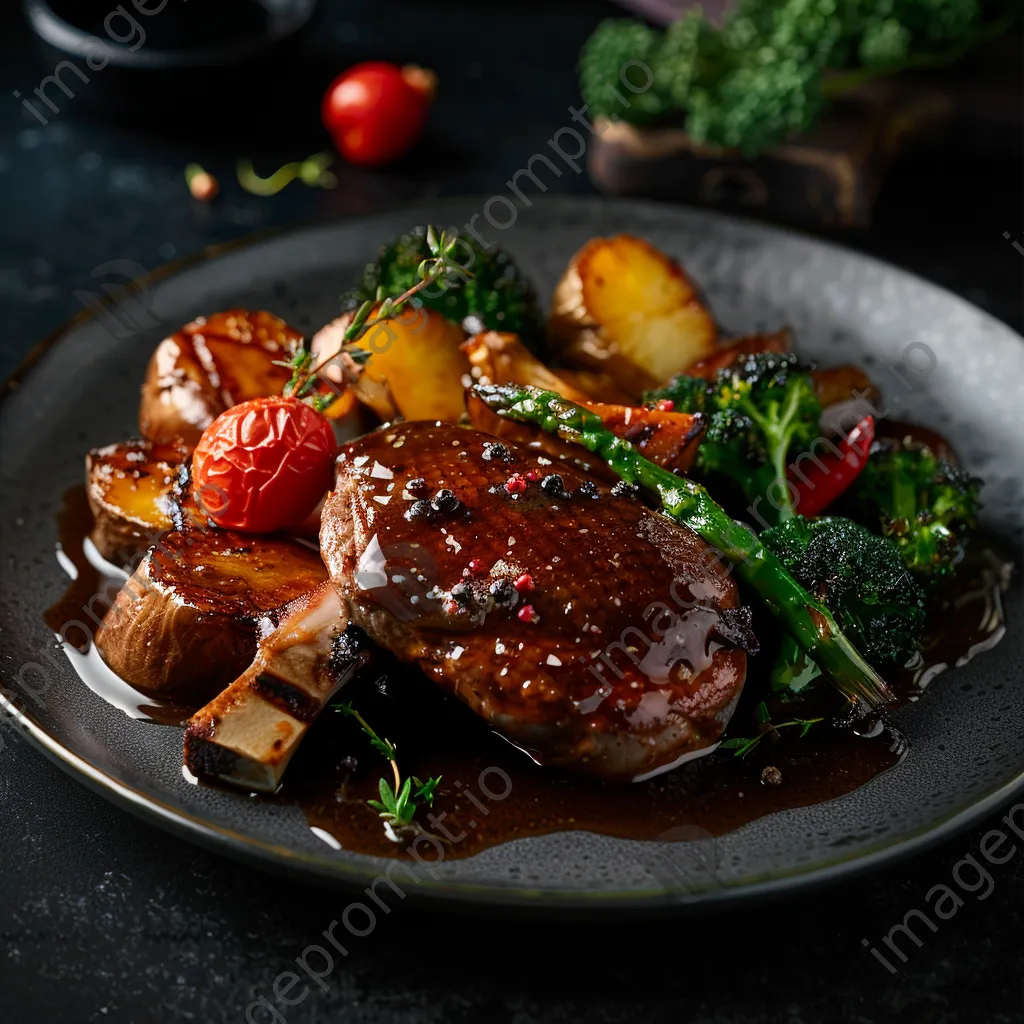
(807, 619)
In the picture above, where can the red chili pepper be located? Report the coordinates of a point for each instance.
(819, 486)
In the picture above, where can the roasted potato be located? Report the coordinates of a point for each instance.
(752, 344)
(601, 387)
(415, 369)
(186, 624)
(627, 310)
(208, 366)
(668, 438)
(499, 358)
(135, 491)
(833, 384)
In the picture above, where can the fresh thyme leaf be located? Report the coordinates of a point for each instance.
(743, 745)
(397, 806)
(425, 790)
(439, 266)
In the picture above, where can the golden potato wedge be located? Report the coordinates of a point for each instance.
(187, 622)
(415, 368)
(210, 365)
(625, 309)
(136, 491)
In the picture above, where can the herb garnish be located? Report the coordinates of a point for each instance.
(305, 375)
(744, 745)
(397, 805)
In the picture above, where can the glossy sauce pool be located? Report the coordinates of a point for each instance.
(492, 793)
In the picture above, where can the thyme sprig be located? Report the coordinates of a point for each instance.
(305, 375)
(398, 804)
(743, 745)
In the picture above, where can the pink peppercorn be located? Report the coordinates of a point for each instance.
(515, 484)
(524, 583)
(527, 614)
(477, 567)
(533, 475)
(665, 405)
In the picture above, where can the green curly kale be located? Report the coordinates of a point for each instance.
(758, 412)
(760, 77)
(492, 290)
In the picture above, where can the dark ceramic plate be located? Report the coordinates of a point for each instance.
(966, 752)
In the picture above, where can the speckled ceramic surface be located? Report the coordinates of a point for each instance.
(961, 371)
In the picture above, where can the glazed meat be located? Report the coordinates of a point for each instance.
(187, 622)
(588, 630)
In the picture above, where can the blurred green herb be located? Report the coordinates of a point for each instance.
(311, 171)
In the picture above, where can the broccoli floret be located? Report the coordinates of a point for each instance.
(860, 576)
(926, 505)
(757, 77)
(757, 412)
(493, 291)
(616, 43)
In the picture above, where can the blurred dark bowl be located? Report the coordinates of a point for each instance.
(168, 55)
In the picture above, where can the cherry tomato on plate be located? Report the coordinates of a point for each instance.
(376, 111)
(264, 464)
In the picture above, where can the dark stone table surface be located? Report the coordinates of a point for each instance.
(103, 918)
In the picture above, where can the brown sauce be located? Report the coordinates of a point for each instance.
(336, 771)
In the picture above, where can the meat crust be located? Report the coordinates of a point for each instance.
(615, 655)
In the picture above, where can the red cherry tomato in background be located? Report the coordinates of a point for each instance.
(264, 464)
(376, 111)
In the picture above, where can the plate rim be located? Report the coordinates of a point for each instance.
(343, 872)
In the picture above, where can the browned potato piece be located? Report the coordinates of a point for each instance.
(415, 367)
(601, 387)
(836, 384)
(135, 491)
(210, 365)
(625, 309)
(186, 624)
(737, 348)
(500, 358)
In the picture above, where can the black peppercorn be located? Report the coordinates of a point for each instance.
(419, 510)
(496, 450)
(588, 489)
(503, 592)
(552, 485)
(445, 501)
(625, 490)
(416, 486)
(463, 593)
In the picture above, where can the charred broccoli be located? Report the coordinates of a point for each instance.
(758, 412)
(493, 290)
(926, 505)
(860, 576)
